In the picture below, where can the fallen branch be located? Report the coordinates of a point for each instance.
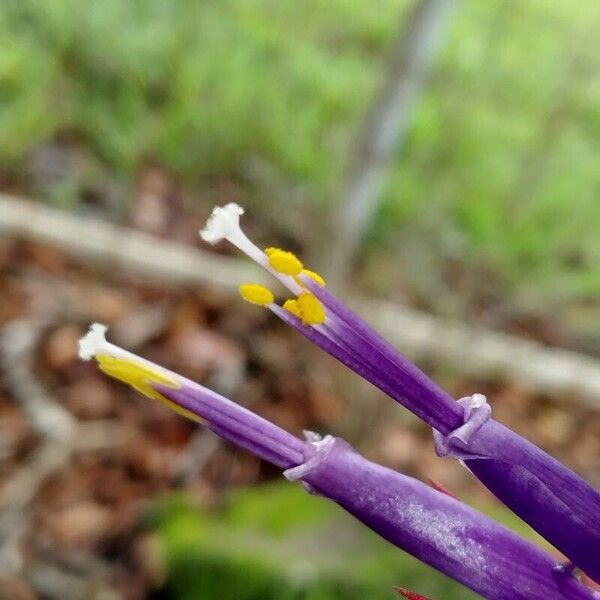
(133, 251)
(18, 343)
(487, 354)
(56, 582)
(469, 350)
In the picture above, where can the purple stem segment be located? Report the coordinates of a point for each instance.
(554, 500)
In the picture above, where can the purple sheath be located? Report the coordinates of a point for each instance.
(437, 529)
(551, 498)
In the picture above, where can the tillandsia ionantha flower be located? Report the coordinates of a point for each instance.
(432, 526)
(554, 500)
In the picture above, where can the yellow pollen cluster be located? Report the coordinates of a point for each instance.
(284, 262)
(314, 276)
(291, 305)
(313, 312)
(256, 294)
(308, 308)
(141, 377)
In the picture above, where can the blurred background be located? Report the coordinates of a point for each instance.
(437, 160)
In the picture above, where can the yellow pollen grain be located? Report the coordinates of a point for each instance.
(311, 309)
(291, 306)
(314, 276)
(284, 262)
(270, 250)
(141, 377)
(256, 294)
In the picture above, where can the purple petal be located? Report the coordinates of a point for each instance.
(412, 388)
(390, 378)
(238, 425)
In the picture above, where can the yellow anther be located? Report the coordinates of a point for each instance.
(315, 276)
(311, 309)
(291, 305)
(256, 294)
(284, 261)
(142, 377)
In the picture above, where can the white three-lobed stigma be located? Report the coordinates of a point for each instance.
(224, 223)
(93, 342)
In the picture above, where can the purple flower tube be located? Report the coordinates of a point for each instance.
(553, 499)
(430, 525)
(436, 528)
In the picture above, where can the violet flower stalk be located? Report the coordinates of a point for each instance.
(430, 525)
(554, 500)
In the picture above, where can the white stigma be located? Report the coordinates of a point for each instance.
(93, 342)
(95, 345)
(224, 223)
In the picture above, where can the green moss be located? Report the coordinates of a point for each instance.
(277, 542)
(248, 509)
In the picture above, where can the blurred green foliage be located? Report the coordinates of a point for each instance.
(198, 86)
(501, 167)
(277, 543)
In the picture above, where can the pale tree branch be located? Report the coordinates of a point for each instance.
(135, 251)
(470, 350)
(384, 130)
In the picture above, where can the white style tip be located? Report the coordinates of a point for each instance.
(93, 341)
(223, 223)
